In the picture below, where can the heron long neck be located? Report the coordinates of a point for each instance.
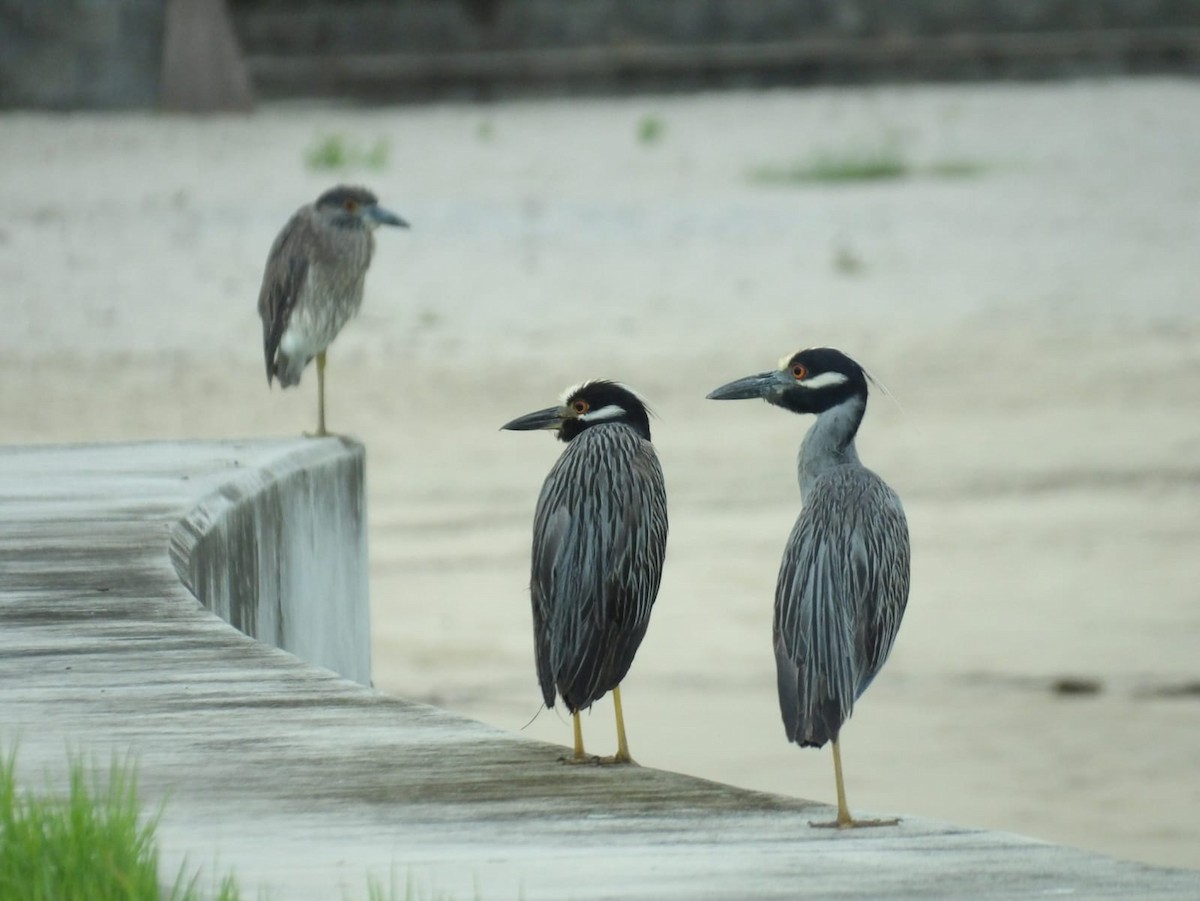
(830, 441)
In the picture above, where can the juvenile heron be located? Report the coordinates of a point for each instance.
(313, 282)
(843, 582)
(599, 536)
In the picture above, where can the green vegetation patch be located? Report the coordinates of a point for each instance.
(956, 169)
(92, 845)
(650, 130)
(876, 164)
(884, 163)
(335, 152)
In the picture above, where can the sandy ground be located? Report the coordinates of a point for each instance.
(1037, 322)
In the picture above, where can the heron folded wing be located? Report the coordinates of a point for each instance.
(842, 590)
(814, 633)
(879, 574)
(635, 526)
(572, 637)
(283, 280)
(638, 541)
(551, 524)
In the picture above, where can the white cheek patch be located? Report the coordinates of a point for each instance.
(612, 411)
(824, 380)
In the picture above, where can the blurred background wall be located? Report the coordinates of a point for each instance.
(110, 53)
(72, 54)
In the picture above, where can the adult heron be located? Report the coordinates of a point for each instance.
(599, 538)
(843, 582)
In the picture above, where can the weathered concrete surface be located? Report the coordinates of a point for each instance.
(305, 782)
(279, 551)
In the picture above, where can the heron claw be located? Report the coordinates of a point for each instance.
(579, 761)
(593, 760)
(850, 823)
(617, 760)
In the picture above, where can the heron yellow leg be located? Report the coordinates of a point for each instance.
(579, 752)
(580, 755)
(321, 395)
(844, 820)
(622, 755)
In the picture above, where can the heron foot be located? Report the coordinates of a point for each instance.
(580, 760)
(851, 823)
(321, 433)
(593, 760)
(617, 759)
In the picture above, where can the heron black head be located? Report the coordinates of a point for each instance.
(809, 381)
(598, 402)
(355, 207)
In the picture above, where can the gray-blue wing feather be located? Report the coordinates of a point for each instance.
(283, 280)
(842, 590)
(600, 536)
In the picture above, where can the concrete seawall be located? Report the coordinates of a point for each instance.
(280, 553)
(304, 782)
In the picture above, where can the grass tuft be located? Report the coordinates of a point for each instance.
(92, 844)
(335, 151)
(650, 130)
(327, 153)
(377, 890)
(877, 164)
(957, 169)
(883, 163)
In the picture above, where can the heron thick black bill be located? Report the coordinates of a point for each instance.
(750, 387)
(384, 217)
(550, 418)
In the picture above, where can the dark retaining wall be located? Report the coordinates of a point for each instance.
(108, 53)
(479, 49)
(92, 54)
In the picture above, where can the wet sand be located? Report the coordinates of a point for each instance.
(1036, 321)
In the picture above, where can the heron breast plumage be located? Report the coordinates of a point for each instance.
(599, 542)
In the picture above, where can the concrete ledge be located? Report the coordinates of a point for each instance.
(280, 552)
(304, 782)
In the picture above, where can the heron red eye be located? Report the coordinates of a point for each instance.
(799, 372)
(580, 407)
(349, 206)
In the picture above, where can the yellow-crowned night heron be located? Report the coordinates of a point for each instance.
(843, 583)
(313, 282)
(599, 536)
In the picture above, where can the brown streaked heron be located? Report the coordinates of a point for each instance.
(843, 582)
(313, 282)
(599, 538)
